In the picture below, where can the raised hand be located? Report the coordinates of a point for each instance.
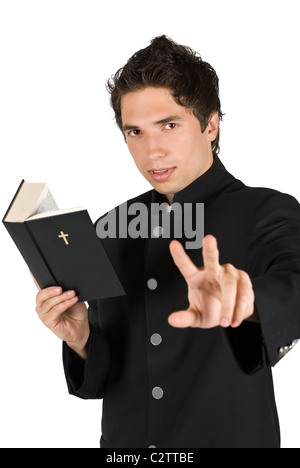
(218, 294)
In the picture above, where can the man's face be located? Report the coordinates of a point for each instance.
(166, 140)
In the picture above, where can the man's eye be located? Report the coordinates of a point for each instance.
(170, 126)
(134, 133)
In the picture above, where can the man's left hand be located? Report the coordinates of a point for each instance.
(218, 294)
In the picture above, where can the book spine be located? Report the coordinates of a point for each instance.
(13, 200)
(25, 242)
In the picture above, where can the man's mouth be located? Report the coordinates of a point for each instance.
(160, 172)
(161, 175)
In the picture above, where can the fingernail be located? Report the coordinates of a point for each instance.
(57, 290)
(70, 293)
(224, 322)
(235, 324)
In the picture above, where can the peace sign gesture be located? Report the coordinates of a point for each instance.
(218, 294)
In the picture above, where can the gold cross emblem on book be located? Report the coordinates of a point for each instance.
(64, 237)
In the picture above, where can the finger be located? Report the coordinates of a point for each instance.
(228, 283)
(210, 254)
(184, 319)
(56, 311)
(46, 294)
(56, 301)
(56, 306)
(182, 260)
(244, 300)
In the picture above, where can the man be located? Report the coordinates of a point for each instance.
(184, 359)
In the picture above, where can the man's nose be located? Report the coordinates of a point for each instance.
(155, 147)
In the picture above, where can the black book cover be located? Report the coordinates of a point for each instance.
(64, 250)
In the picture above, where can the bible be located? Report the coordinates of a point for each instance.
(60, 247)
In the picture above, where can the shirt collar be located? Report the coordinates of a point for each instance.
(208, 184)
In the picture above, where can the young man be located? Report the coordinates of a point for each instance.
(184, 359)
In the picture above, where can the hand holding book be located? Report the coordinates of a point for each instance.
(65, 317)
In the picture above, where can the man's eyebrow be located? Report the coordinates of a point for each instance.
(171, 118)
(126, 128)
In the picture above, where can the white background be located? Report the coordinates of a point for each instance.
(56, 125)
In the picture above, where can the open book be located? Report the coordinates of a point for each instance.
(60, 247)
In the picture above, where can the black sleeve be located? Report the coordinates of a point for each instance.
(275, 257)
(274, 268)
(87, 379)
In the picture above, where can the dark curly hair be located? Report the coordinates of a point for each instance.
(193, 83)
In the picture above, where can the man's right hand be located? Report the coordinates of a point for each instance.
(65, 317)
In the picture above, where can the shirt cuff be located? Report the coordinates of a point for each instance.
(86, 379)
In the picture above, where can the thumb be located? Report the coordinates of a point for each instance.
(184, 319)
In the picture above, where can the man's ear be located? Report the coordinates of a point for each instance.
(213, 126)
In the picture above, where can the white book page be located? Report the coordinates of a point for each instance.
(46, 202)
(47, 214)
(27, 202)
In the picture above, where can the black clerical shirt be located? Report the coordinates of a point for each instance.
(193, 388)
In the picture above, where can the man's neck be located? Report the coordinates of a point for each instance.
(169, 197)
